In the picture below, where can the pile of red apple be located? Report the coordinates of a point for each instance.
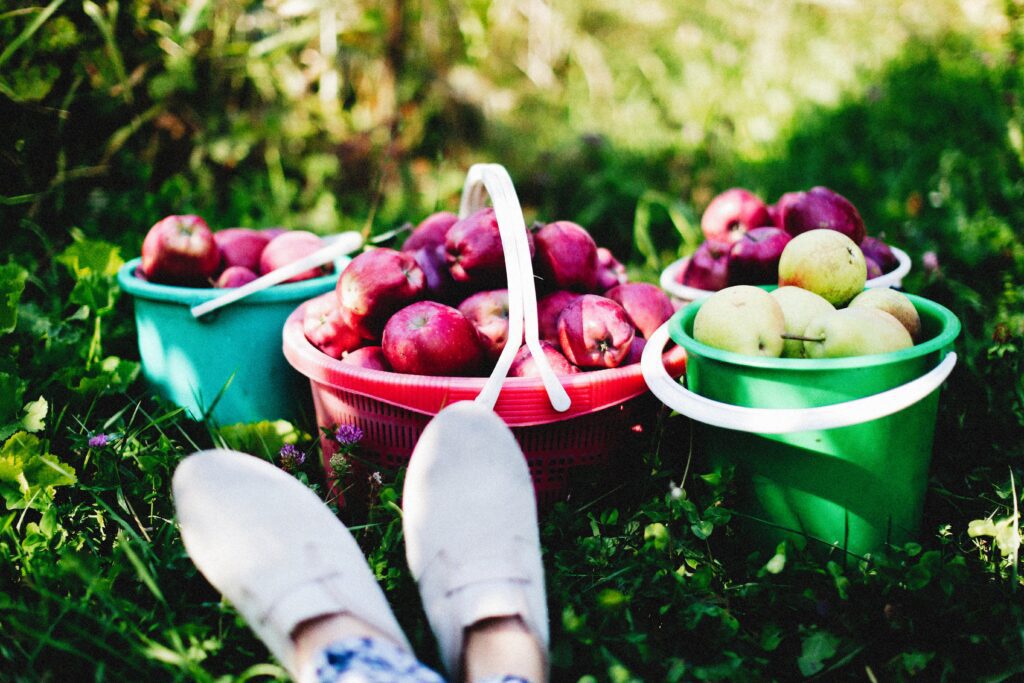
(744, 237)
(183, 251)
(439, 305)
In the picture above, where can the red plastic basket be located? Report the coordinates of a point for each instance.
(392, 409)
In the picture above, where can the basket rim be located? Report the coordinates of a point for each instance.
(191, 296)
(523, 400)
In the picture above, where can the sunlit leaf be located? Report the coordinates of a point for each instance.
(85, 257)
(35, 415)
(12, 284)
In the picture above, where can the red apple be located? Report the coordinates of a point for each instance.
(524, 364)
(326, 328)
(369, 357)
(879, 252)
(549, 307)
(241, 247)
(430, 232)
(708, 267)
(595, 332)
(818, 208)
(610, 271)
(636, 350)
(566, 257)
(488, 311)
(754, 258)
(374, 285)
(647, 306)
(180, 250)
(291, 246)
(235, 276)
(428, 338)
(271, 233)
(874, 270)
(474, 252)
(732, 213)
(438, 282)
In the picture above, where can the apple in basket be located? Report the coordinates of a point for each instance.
(429, 338)
(430, 232)
(610, 271)
(741, 318)
(879, 252)
(708, 267)
(595, 332)
(754, 258)
(647, 306)
(326, 328)
(235, 276)
(474, 251)
(549, 307)
(524, 364)
(374, 285)
(820, 208)
(241, 247)
(369, 357)
(488, 311)
(826, 262)
(732, 213)
(566, 257)
(180, 250)
(291, 246)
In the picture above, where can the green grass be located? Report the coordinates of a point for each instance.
(116, 114)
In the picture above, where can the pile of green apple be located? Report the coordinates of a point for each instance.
(820, 309)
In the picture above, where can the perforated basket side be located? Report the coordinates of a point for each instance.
(553, 451)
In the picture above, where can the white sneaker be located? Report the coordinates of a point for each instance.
(273, 549)
(470, 521)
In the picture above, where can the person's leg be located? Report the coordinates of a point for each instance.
(500, 647)
(282, 558)
(473, 546)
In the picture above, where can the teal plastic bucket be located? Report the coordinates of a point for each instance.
(228, 364)
(833, 451)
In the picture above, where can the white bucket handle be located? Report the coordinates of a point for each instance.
(782, 420)
(493, 179)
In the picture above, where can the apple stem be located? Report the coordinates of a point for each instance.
(797, 337)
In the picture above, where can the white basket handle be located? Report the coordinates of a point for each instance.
(781, 420)
(493, 179)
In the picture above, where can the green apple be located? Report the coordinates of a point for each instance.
(859, 331)
(826, 262)
(799, 307)
(897, 304)
(742, 318)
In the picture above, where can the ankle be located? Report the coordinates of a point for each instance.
(314, 635)
(503, 646)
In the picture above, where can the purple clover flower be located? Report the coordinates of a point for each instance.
(291, 457)
(99, 440)
(348, 435)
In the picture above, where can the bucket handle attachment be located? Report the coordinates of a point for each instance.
(493, 179)
(782, 420)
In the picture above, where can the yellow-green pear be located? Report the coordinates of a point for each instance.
(743, 319)
(859, 331)
(799, 307)
(826, 262)
(897, 304)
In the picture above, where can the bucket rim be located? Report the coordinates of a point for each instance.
(950, 329)
(191, 296)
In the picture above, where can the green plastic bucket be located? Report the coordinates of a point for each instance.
(228, 364)
(834, 451)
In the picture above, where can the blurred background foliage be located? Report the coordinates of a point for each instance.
(626, 117)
